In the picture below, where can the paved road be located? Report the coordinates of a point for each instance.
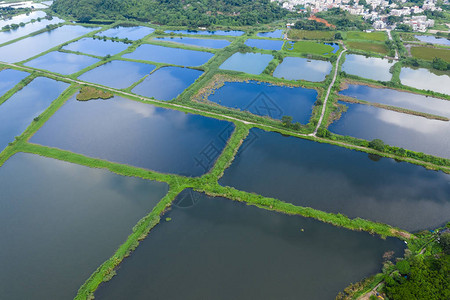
(324, 106)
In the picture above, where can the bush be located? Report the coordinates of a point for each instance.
(444, 241)
(377, 144)
(403, 267)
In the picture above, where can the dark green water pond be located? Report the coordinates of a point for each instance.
(142, 135)
(220, 249)
(340, 180)
(66, 222)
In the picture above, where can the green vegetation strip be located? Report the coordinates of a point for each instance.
(107, 270)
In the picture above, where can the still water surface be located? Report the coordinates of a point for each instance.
(424, 79)
(66, 222)
(9, 78)
(20, 110)
(138, 134)
(340, 180)
(6, 36)
(96, 47)
(298, 68)
(176, 56)
(206, 43)
(264, 99)
(396, 98)
(252, 63)
(167, 83)
(396, 129)
(221, 249)
(368, 67)
(129, 32)
(34, 45)
(117, 73)
(62, 63)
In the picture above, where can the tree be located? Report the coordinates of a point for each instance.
(323, 132)
(440, 64)
(338, 36)
(403, 267)
(377, 144)
(286, 120)
(444, 241)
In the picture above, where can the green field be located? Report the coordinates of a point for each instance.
(368, 46)
(308, 47)
(310, 35)
(378, 36)
(428, 53)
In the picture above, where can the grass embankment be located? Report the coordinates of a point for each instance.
(107, 270)
(89, 93)
(296, 34)
(309, 48)
(368, 46)
(17, 88)
(428, 53)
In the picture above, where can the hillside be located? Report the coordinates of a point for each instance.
(191, 13)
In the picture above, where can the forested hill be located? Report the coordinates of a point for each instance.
(191, 13)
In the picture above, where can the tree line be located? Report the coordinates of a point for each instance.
(191, 13)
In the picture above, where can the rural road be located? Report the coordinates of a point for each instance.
(390, 38)
(324, 106)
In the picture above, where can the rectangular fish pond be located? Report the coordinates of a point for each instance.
(215, 248)
(142, 135)
(339, 180)
(66, 222)
(265, 99)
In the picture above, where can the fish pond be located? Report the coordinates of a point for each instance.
(62, 63)
(339, 180)
(9, 78)
(205, 43)
(19, 111)
(23, 18)
(205, 32)
(396, 98)
(6, 36)
(176, 56)
(368, 67)
(36, 44)
(265, 99)
(117, 73)
(396, 129)
(298, 68)
(264, 44)
(142, 135)
(167, 83)
(271, 34)
(66, 222)
(252, 63)
(127, 32)
(433, 40)
(424, 79)
(96, 47)
(247, 253)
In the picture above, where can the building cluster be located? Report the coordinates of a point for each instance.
(383, 14)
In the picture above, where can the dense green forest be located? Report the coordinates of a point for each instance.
(174, 12)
